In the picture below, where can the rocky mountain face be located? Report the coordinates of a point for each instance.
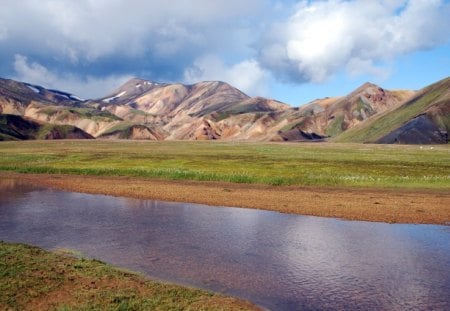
(147, 110)
(332, 116)
(423, 118)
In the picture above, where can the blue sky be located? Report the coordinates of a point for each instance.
(412, 71)
(293, 51)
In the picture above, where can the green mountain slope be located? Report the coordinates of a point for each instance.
(425, 118)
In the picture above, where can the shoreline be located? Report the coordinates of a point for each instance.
(62, 279)
(364, 204)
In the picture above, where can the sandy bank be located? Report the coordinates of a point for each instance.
(384, 205)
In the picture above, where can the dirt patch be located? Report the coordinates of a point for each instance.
(382, 205)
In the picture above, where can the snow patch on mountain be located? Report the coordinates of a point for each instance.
(110, 99)
(33, 88)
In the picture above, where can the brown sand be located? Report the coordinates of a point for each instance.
(383, 205)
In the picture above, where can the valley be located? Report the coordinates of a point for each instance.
(374, 156)
(388, 183)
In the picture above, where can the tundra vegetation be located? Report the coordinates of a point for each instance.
(306, 164)
(34, 279)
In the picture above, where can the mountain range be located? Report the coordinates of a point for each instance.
(214, 110)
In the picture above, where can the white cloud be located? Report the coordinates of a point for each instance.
(160, 39)
(89, 87)
(3, 32)
(247, 75)
(88, 29)
(324, 37)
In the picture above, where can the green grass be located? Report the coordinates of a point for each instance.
(48, 128)
(141, 113)
(360, 107)
(335, 127)
(123, 128)
(6, 137)
(316, 164)
(291, 126)
(85, 113)
(31, 277)
(443, 120)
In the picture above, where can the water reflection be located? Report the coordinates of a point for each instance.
(276, 260)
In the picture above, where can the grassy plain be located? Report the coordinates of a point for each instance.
(34, 279)
(388, 183)
(341, 165)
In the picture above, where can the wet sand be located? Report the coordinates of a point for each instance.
(381, 205)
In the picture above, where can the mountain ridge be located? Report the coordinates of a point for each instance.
(215, 110)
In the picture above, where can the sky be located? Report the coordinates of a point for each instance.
(292, 51)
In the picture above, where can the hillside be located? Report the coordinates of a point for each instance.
(202, 111)
(37, 103)
(332, 116)
(214, 110)
(16, 96)
(13, 127)
(423, 119)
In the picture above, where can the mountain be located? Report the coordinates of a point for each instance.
(423, 119)
(14, 127)
(190, 112)
(16, 96)
(332, 116)
(174, 99)
(214, 110)
(55, 107)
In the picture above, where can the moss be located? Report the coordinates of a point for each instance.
(94, 114)
(50, 111)
(293, 125)
(84, 113)
(221, 115)
(336, 126)
(123, 129)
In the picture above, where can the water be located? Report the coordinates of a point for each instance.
(278, 261)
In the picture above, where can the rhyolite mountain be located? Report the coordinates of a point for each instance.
(423, 119)
(14, 127)
(214, 110)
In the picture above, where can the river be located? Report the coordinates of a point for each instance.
(278, 261)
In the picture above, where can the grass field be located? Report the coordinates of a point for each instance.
(265, 163)
(34, 279)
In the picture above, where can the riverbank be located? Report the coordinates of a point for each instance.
(352, 203)
(34, 279)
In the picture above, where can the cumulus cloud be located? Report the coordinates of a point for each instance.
(89, 87)
(324, 37)
(87, 30)
(247, 75)
(165, 40)
(151, 39)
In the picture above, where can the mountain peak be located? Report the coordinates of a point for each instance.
(137, 82)
(142, 109)
(367, 85)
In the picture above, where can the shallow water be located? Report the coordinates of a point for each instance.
(278, 261)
